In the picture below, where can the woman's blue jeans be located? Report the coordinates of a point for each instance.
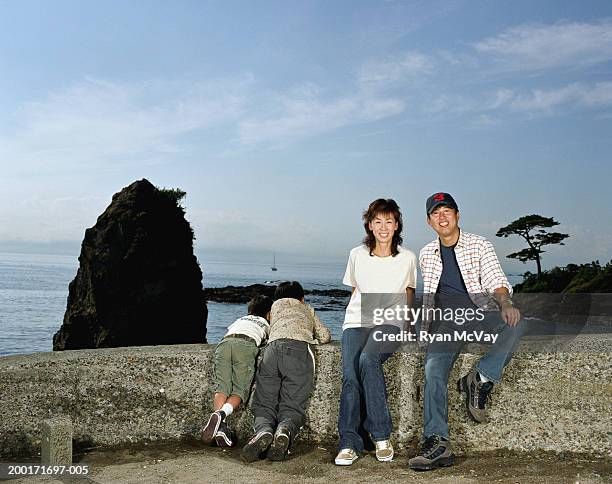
(363, 401)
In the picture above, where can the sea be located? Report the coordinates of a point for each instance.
(34, 292)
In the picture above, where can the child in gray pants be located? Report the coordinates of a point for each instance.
(285, 375)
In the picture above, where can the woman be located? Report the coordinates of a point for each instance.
(379, 267)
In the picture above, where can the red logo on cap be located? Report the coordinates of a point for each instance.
(438, 197)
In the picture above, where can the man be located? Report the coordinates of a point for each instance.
(461, 274)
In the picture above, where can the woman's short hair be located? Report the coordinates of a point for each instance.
(383, 206)
(289, 289)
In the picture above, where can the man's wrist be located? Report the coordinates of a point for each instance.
(504, 301)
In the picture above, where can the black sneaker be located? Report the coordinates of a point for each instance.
(280, 446)
(224, 436)
(255, 447)
(210, 429)
(435, 452)
(477, 394)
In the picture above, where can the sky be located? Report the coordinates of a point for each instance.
(283, 120)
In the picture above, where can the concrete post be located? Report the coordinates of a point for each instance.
(56, 444)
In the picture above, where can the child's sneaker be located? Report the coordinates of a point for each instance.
(210, 429)
(224, 436)
(280, 446)
(346, 457)
(258, 444)
(384, 450)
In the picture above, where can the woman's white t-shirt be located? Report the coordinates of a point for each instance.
(370, 274)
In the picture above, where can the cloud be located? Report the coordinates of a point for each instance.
(101, 123)
(378, 75)
(493, 108)
(105, 124)
(576, 95)
(305, 111)
(449, 104)
(538, 47)
(523, 48)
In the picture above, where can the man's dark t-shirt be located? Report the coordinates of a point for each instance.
(451, 288)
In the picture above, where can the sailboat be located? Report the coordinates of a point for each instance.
(274, 269)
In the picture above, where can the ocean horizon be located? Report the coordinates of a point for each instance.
(34, 291)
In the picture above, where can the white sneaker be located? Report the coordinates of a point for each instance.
(384, 450)
(346, 457)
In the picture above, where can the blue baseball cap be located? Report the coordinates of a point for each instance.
(438, 199)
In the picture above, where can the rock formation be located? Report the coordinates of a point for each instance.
(238, 294)
(138, 282)
(320, 299)
(243, 294)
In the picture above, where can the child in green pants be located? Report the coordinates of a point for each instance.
(234, 368)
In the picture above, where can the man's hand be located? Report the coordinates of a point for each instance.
(510, 314)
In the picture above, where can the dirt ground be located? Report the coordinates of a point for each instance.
(191, 463)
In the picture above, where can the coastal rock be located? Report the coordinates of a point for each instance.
(319, 299)
(138, 282)
(243, 294)
(237, 294)
(328, 292)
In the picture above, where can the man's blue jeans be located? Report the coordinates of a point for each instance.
(363, 401)
(442, 355)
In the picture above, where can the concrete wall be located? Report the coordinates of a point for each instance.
(551, 401)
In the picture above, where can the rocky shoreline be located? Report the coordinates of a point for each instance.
(243, 294)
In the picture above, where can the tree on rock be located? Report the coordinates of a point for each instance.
(138, 282)
(532, 229)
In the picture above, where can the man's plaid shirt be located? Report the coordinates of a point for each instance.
(479, 268)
